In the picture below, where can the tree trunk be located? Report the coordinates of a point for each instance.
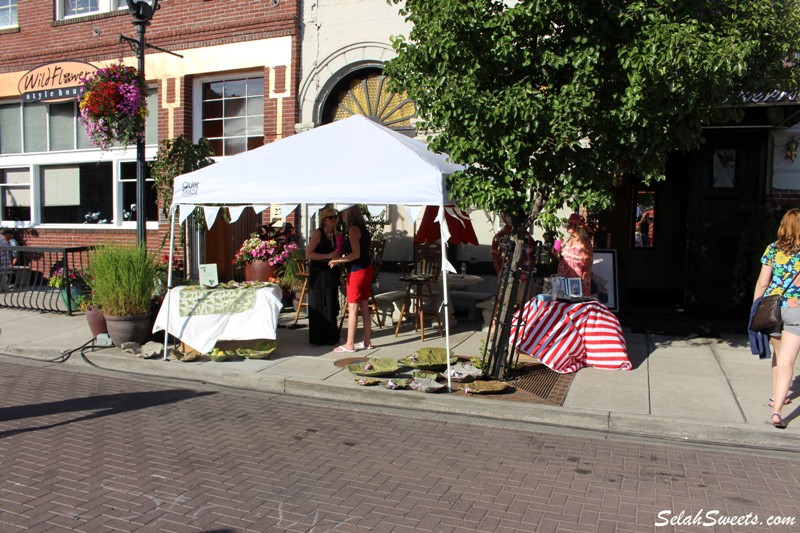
(512, 294)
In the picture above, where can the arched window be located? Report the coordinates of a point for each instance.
(366, 92)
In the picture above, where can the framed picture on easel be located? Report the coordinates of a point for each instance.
(604, 278)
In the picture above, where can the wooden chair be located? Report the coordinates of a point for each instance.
(376, 255)
(302, 301)
(419, 288)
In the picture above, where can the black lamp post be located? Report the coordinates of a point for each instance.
(142, 11)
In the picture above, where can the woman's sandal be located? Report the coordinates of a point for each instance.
(343, 349)
(362, 346)
(787, 401)
(779, 424)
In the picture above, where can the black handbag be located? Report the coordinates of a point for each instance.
(767, 316)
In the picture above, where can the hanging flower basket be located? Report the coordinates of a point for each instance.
(114, 106)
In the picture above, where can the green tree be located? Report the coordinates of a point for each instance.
(545, 100)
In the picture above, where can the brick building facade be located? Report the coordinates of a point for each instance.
(235, 84)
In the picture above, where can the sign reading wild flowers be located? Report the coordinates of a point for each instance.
(114, 106)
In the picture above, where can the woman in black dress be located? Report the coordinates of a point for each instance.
(323, 281)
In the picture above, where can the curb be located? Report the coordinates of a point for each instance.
(518, 414)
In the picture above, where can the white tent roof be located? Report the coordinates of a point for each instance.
(350, 161)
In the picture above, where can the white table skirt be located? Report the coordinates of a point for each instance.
(202, 332)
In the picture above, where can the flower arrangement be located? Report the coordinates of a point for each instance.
(274, 252)
(77, 278)
(114, 106)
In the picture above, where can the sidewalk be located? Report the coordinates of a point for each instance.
(709, 390)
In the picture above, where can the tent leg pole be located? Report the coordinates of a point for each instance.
(169, 281)
(445, 303)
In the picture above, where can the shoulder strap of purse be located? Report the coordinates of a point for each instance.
(785, 286)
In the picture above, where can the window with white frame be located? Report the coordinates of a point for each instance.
(75, 194)
(232, 114)
(8, 13)
(15, 195)
(127, 176)
(77, 8)
(43, 127)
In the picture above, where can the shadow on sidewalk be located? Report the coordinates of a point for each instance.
(99, 405)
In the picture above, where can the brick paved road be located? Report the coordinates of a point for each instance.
(92, 453)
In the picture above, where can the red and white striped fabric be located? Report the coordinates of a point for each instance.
(569, 336)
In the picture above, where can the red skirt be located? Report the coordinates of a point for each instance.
(358, 283)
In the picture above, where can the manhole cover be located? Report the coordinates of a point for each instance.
(342, 363)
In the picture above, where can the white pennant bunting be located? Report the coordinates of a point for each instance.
(413, 212)
(236, 211)
(210, 212)
(185, 211)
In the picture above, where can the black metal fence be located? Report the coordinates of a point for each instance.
(31, 282)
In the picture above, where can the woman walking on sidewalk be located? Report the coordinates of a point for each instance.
(779, 275)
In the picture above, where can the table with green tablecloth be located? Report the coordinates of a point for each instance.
(201, 316)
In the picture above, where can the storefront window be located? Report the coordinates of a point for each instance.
(233, 114)
(8, 13)
(55, 127)
(15, 195)
(34, 125)
(62, 126)
(128, 179)
(77, 194)
(10, 129)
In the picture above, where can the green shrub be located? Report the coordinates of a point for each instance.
(122, 279)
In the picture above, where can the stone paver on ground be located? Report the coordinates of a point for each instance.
(83, 451)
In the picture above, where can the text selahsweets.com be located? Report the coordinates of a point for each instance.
(713, 517)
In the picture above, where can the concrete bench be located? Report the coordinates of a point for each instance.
(486, 308)
(389, 304)
(468, 300)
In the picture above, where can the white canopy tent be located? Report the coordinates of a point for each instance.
(352, 161)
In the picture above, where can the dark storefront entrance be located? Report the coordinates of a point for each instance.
(678, 240)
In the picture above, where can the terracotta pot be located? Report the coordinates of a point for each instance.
(259, 271)
(123, 329)
(96, 321)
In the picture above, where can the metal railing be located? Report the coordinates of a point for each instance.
(26, 285)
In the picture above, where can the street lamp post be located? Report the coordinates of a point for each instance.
(142, 11)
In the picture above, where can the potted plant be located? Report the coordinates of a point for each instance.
(292, 276)
(113, 107)
(94, 315)
(71, 284)
(123, 280)
(261, 258)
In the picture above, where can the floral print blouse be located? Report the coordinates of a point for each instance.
(784, 268)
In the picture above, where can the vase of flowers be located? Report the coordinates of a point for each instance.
(262, 258)
(114, 106)
(71, 284)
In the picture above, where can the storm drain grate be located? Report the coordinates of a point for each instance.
(540, 381)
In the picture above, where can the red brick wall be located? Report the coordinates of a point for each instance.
(179, 23)
(784, 199)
